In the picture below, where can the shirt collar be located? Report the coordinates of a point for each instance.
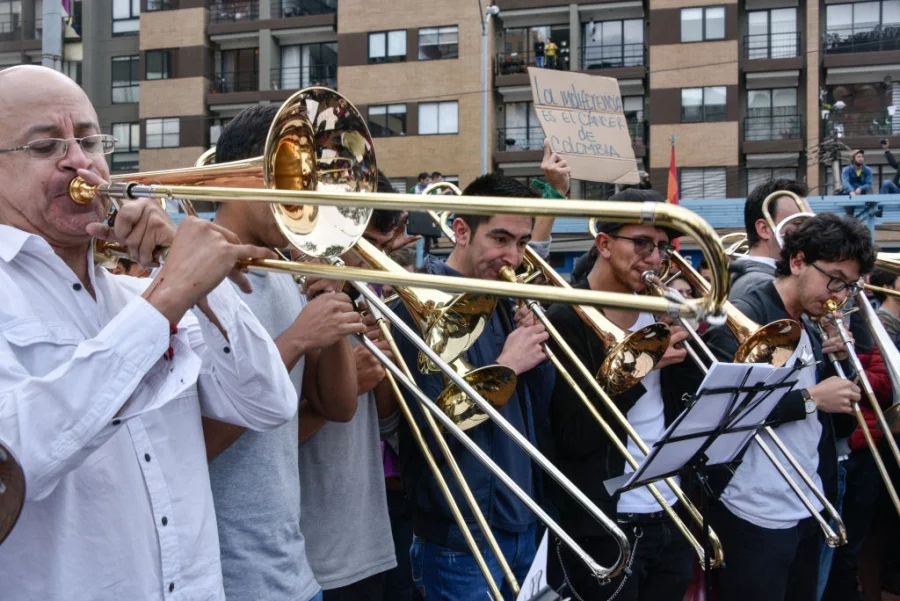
(764, 260)
(13, 240)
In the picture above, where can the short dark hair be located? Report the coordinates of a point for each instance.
(753, 206)
(423, 175)
(829, 237)
(882, 278)
(245, 136)
(384, 220)
(436, 174)
(494, 184)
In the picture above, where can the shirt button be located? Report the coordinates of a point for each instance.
(227, 350)
(165, 521)
(146, 456)
(116, 422)
(171, 586)
(76, 287)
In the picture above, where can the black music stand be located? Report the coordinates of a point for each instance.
(713, 430)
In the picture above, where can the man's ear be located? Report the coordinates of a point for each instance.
(462, 231)
(763, 231)
(602, 242)
(797, 262)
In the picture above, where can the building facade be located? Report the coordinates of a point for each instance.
(746, 88)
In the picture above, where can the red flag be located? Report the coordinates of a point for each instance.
(672, 188)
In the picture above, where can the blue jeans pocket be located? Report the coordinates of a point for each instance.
(417, 565)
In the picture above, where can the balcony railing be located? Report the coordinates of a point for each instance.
(772, 127)
(21, 30)
(873, 37)
(155, 5)
(846, 123)
(233, 11)
(637, 129)
(520, 138)
(614, 56)
(771, 45)
(302, 8)
(236, 81)
(511, 62)
(295, 78)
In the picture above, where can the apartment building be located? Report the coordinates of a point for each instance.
(743, 86)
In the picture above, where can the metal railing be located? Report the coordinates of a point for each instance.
(155, 5)
(613, 56)
(772, 127)
(771, 45)
(849, 123)
(302, 8)
(637, 128)
(870, 37)
(513, 61)
(520, 138)
(227, 82)
(233, 11)
(12, 31)
(296, 78)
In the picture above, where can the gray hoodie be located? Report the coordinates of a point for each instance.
(747, 274)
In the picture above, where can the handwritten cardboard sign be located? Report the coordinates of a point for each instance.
(583, 117)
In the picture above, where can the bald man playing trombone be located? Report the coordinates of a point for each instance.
(104, 378)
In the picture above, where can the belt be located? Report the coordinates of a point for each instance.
(640, 518)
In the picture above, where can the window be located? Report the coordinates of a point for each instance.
(702, 24)
(522, 131)
(756, 177)
(706, 182)
(772, 34)
(237, 70)
(73, 70)
(520, 45)
(126, 16)
(438, 118)
(862, 26)
(387, 46)
(154, 5)
(438, 42)
(703, 105)
(772, 115)
(125, 79)
(157, 64)
(398, 184)
(614, 44)
(163, 133)
(307, 65)
(387, 120)
(128, 136)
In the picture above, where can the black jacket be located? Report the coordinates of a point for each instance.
(582, 450)
(894, 165)
(763, 305)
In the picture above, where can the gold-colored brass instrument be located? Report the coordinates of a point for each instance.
(833, 317)
(12, 492)
(777, 229)
(735, 244)
(773, 344)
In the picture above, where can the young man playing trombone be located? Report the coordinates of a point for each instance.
(771, 542)
(661, 566)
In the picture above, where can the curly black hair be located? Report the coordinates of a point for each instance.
(829, 237)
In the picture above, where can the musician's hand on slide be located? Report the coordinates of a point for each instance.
(369, 370)
(835, 395)
(833, 343)
(676, 353)
(524, 348)
(326, 320)
(524, 317)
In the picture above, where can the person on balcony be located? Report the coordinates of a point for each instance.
(857, 177)
(539, 52)
(550, 51)
(893, 186)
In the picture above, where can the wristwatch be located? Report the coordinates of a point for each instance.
(808, 401)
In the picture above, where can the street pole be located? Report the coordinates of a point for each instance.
(51, 37)
(484, 16)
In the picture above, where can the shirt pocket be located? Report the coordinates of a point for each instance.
(40, 347)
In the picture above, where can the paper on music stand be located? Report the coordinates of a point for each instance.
(689, 433)
(536, 580)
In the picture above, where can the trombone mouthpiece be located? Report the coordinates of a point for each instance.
(507, 273)
(81, 192)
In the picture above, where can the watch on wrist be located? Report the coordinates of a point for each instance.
(808, 401)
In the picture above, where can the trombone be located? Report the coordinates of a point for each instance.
(773, 343)
(640, 350)
(12, 492)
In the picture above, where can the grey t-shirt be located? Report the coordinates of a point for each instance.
(345, 517)
(255, 483)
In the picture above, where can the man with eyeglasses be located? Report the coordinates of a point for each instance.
(104, 378)
(661, 568)
(772, 543)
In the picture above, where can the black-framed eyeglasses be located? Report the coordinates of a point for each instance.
(56, 148)
(644, 246)
(836, 284)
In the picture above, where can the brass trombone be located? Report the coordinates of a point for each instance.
(774, 344)
(640, 351)
(12, 492)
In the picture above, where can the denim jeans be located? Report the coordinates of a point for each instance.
(317, 597)
(827, 556)
(890, 187)
(442, 574)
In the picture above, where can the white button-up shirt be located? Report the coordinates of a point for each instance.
(108, 431)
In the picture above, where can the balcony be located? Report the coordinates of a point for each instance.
(233, 11)
(511, 139)
(772, 127)
(617, 56)
(862, 38)
(771, 46)
(157, 5)
(855, 124)
(295, 78)
(636, 129)
(21, 30)
(229, 82)
(302, 8)
(513, 62)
